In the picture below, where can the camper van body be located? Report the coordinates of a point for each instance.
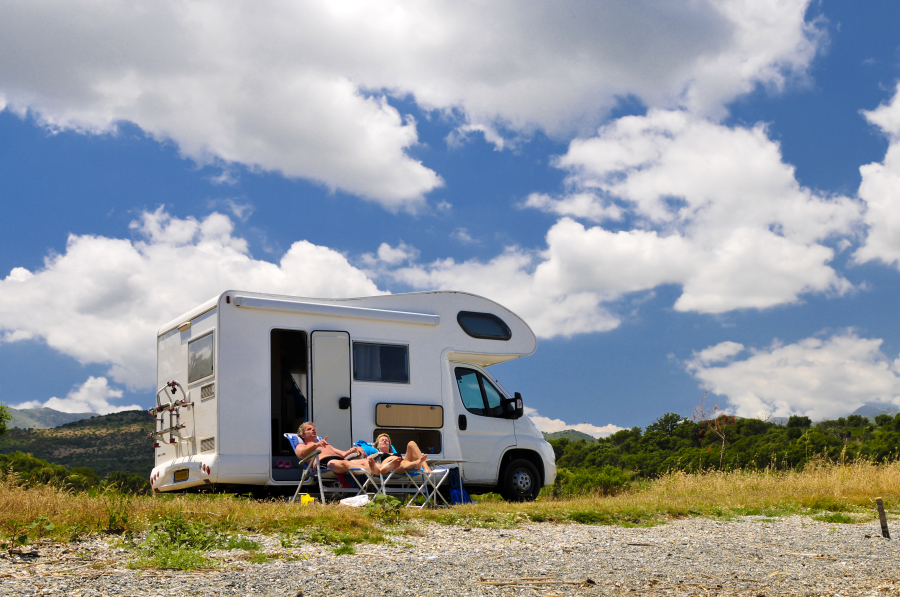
(247, 363)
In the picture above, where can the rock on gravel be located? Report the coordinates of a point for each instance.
(753, 556)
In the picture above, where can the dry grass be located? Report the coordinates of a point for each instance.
(820, 487)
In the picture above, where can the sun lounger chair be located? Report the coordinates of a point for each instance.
(327, 481)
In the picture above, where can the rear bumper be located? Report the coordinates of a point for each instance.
(201, 470)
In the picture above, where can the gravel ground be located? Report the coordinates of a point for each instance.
(752, 556)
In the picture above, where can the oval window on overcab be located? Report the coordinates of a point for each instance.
(486, 326)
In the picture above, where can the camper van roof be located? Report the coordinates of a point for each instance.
(415, 308)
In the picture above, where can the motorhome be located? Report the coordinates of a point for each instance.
(239, 371)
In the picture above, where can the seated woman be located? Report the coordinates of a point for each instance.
(390, 461)
(332, 458)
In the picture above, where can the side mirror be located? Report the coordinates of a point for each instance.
(520, 406)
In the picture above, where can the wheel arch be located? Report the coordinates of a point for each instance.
(517, 453)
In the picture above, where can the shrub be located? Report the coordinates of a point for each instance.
(127, 482)
(609, 480)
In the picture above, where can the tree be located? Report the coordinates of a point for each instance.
(883, 420)
(5, 417)
(715, 422)
(666, 423)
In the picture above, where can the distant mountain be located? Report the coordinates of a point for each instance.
(571, 435)
(873, 410)
(105, 443)
(43, 418)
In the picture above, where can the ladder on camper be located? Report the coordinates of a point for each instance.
(174, 427)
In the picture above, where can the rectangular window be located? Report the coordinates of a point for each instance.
(200, 357)
(380, 362)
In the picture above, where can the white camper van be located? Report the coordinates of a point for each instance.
(242, 369)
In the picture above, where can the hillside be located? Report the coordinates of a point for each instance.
(43, 418)
(569, 434)
(114, 442)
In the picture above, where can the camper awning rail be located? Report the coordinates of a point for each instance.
(251, 302)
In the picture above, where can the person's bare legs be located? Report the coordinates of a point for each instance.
(390, 464)
(344, 466)
(414, 459)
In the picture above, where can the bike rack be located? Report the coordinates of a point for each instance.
(173, 407)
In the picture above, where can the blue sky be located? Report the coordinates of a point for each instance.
(678, 196)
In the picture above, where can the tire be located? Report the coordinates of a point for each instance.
(520, 481)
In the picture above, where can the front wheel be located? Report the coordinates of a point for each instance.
(521, 482)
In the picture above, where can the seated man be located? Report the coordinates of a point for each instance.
(332, 458)
(412, 460)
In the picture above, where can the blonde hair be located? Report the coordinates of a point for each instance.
(377, 439)
(303, 426)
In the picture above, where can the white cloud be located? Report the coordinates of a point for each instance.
(386, 255)
(715, 209)
(820, 378)
(548, 425)
(721, 352)
(16, 336)
(241, 209)
(297, 88)
(586, 206)
(103, 299)
(880, 188)
(462, 235)
(710, 208)
(92, 396)
(508, 279)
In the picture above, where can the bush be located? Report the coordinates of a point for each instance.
(30, 471)
(385, 508)
(607, 481)
(127, 482)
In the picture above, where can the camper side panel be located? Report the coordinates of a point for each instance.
(244, 410)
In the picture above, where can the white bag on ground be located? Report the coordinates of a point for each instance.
(357, 501)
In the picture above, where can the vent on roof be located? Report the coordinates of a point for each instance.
(208, 444)
(208, 391)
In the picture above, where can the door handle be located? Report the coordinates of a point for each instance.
(463, 423)
(344, 403)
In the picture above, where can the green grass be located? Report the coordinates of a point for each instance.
(176, 559)
(838, 517)
(344, 550)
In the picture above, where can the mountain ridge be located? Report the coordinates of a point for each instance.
(43, 418)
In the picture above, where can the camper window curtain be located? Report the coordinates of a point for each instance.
(380, 362)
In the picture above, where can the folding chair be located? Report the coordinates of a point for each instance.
(313, 471)
(416, 483)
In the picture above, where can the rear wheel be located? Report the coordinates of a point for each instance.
(520, 482)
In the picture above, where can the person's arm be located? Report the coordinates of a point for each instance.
(353, 451)
(304, 450)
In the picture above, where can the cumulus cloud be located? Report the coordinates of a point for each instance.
(714, 209)
(92, 396)
(103, 299)
(880, 188)
(819, 378)
(708, 207)
(387, 256)
(586, 206)
(548, 425)
(301, 88)
(509, 280)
